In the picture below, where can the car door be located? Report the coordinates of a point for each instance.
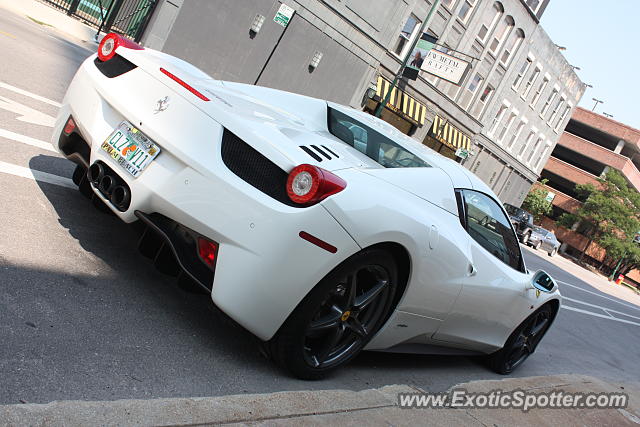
(494, 296)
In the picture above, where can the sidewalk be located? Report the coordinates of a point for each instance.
(50, 16)
(332, 407)
(597, 281)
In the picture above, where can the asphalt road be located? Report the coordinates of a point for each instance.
(84, 316)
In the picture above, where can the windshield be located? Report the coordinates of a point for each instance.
(372, 143)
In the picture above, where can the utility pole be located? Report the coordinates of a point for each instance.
(598, 101)
(423, 27)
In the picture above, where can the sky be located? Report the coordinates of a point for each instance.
(603, 39)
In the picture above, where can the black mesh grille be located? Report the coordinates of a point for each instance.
(114, 67)
(254, 168)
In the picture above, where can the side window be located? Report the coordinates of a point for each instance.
(488, 225)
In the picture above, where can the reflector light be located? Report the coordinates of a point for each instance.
(110, 43)
(70, 126)
(207, 251)
(318, 242)
(184, 85)
(308, 184)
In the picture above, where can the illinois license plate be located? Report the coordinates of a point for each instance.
(129, 148)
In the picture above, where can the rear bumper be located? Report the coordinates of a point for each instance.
(264, 269)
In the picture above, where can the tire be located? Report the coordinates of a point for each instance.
(553, 252)
(523, 342)
(525, 238)
(331, 325)
(537, 246)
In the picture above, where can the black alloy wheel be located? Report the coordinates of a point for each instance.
(522, 342)
(338, 317)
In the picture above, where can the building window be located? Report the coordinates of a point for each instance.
(556, 109)
(497, 118)
(550, 99)
(409, 31)
(487, 27)
(541, 89)
(526, 143)
(482, 101)
(529, 84)
(512, 47)
(534, 149)
(501, 34)
(448, 3)
(465, 10)
(505, 127)
(521, 73)
(471, 90)
(516, 135)
(564, 116)
(533, 5)
(542, 155)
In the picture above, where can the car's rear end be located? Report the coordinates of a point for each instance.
(137, 125)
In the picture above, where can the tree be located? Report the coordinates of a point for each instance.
(609, 216)
(536, 202)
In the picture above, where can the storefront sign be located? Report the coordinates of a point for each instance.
(420, 52)
(445, 66)
(283, 16)
(462, 153)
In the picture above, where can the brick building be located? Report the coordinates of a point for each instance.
(590, 145)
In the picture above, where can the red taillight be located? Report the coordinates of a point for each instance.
(208, 251)
(308, 184)
(184, 84)
(111, 42)
(70, 126)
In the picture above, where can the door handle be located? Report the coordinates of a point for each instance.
(472, 270)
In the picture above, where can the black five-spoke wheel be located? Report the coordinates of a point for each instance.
(523, 341)
(338, 317)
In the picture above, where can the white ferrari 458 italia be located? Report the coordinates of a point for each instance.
(321, 229)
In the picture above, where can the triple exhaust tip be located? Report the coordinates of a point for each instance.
(119, 195)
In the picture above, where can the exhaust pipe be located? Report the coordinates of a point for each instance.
(121, 197)
(95, 173)
(107, 183)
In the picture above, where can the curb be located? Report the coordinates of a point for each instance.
(332, 407)
(50, 16)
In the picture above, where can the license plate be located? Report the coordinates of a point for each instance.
(129, 148)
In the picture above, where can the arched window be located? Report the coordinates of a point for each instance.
(512, 46)
(501, 34)
(490, 21)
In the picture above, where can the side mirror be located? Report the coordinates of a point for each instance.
(543, 282)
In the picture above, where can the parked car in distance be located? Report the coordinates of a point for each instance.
(522, 221)
(543, 239)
